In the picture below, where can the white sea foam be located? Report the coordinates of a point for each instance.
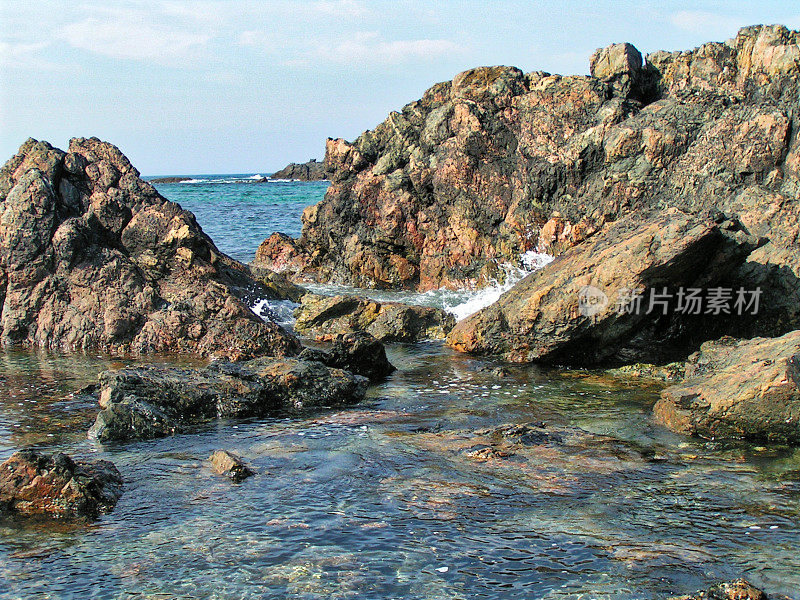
(257, 176)
(278, 311)
(461, 303)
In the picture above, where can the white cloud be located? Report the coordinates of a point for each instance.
(339, 8)
(369, 49)
(138, 34)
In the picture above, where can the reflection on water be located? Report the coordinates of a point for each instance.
(386, 500)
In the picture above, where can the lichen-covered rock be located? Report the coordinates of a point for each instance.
(466, 177)
(325, 316)
(91, 256)
(276, 286)
(149, 402)
(542, 318)
(230, 465)
(738, 389)
(35, 483)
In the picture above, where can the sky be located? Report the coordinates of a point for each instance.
(244, 86)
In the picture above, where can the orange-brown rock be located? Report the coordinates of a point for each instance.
(580, 308)
(55, 485)
(91, 256)
(466, 177)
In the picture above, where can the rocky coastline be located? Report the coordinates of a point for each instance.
(655, 181)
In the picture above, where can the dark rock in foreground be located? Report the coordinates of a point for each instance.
(732, 590)
(542, 318)
(325, 316)
(35, 483)
(91, 256)
(357, 352)
(230, 465)
(738, 389)
(150, 402)
(309, 171)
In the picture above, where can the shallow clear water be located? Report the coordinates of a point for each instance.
(383, 500)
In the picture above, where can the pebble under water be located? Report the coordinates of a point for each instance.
(394, 498)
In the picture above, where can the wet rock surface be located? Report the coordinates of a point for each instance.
(730, 590)
(325, 316)
(542, 318)
(468, 176)
(55, 485)
(230, 465)
(357, 352)
(91, 256)
(150, 402)
(738, 389)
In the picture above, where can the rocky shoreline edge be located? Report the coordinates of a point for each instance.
(640, 195)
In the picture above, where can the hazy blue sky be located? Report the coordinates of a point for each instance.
(246, 86)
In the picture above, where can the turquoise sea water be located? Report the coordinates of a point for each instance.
(382, 501)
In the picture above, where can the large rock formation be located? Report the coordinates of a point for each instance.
(91, 256)
(467, 176)
(738, 389)
(34, 483)
(309, 171)
(581, 308)
(149, 402)
(325, 316)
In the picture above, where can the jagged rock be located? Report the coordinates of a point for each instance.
(149, 402)
(310, 171)
(357, 352)
(91, 256)
(467, 176)
(738, 589)
(738, 388)
(542, 318)
(35, 483)
(276, 286)
(615, 60)
(230, 465)
(325, 316)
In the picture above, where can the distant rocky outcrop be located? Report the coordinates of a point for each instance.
(747, 389)
(55, 485)
(91, 256)
(325, 316)
(466, 178)
(169, 179)
(150, 402)
(309, 171)
(581, 309)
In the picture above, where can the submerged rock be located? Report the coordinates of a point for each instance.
(738, 589)
(149, 402)
(577, 309)
(670, 372)
(35, 483)
(309, 171)
(326, 316)
(230, 465)
(91, 256)
(738, 389)
(467, 177)
(357, 352)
